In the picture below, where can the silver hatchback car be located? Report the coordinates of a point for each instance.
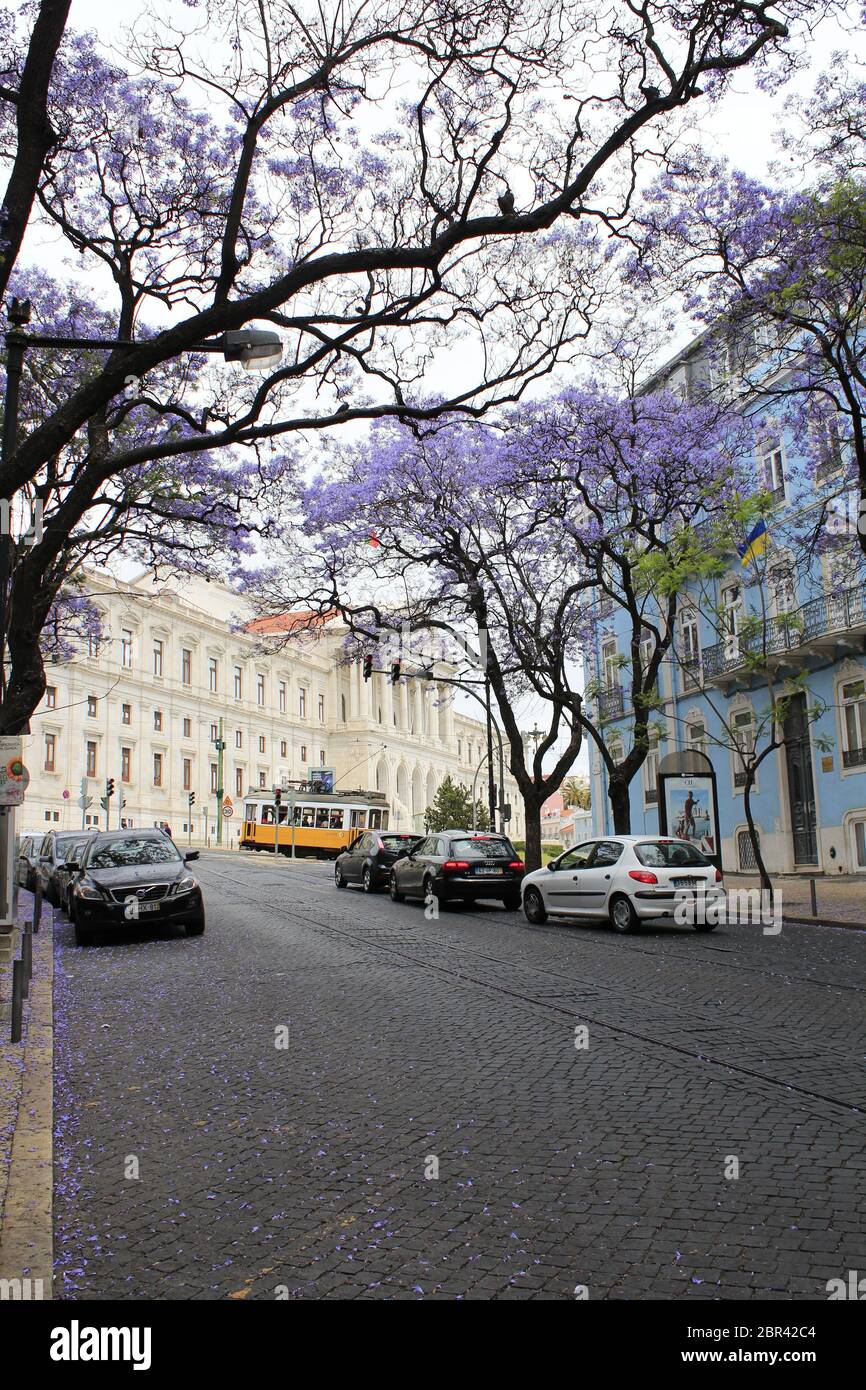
(627, 879)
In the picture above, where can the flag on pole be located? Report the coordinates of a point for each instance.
(755, 544)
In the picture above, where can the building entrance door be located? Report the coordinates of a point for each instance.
(801, 786)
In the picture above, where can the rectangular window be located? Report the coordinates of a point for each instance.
(214, 733)
(239, 683)
(239, 781)
(157, 658)
(772, 465)
(157, 720)
(854, 723)
(90, 759)
(50, 747)
(321, 709)
(157, 769)
(283, 748)
(126, 764)
(93, 646)
(263, 779)
(51, 697)
(239, 739)
(126, 714)
(302, 702)
(303, 752)
(260, 690)
(860, 843)
(187, 728)
(214, 769)
(186, 666)
(321, 757)
(126, 648)
(261, 743)
(282, 697)
(651, 769)
(91, 706)
(187, 774)
(213, 674)
(691, 649)
(610, 664)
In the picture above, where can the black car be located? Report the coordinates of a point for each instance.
(368, 859)
(64, 874)
(132, 876)
(28, 860)
(53, 853)
(459, 864)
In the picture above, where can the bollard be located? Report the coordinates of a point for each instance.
(37, 908)
(27, 961)
(814, 897)
(17, 999)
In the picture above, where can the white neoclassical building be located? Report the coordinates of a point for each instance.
(179, 666)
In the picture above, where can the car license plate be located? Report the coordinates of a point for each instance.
(486, 871)
(148, 907)
(686, 882)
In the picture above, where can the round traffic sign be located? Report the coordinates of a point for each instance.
(228, 811)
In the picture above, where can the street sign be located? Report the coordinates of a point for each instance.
(228, 811)
(65, 793)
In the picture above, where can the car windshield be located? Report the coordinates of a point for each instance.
(482, 847)
(63, 850)
(120, 853)
(669, 854)
(398, 841)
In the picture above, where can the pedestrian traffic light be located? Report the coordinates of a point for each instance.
(191, 800)
(278, 795)
(368, 667)
(109, 787)
(395, 671)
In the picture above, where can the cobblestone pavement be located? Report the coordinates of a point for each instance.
(301, 1171)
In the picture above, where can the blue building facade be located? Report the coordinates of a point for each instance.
(808, 620)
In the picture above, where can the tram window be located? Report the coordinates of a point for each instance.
(359, 820)
(322, 818)
(284, 811)
(296, 816)
(267, 815)
(336, 820)
(307, 816)
(375, 820)
(250, 811)
(384, 820)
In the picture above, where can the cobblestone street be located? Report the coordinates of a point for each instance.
(301, 1171)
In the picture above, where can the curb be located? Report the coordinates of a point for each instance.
(823, 922)
(26, 1233)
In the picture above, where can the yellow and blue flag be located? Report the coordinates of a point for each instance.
(755, 544)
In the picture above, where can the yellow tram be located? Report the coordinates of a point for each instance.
(321, 824)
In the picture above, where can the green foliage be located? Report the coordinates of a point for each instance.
(452, 809)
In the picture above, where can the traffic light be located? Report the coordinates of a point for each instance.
(395, 670)
(109, 787)
(191, 800)
(368, 667)
(278, 795)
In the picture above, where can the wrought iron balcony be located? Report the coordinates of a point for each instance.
(808, 635)
(740, 778)
(610, 702)
(651, 795)
(854, 757)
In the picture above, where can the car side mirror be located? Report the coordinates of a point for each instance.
(553, 865)
(190, 854)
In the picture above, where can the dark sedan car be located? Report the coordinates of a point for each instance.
(53, 853)
(132, 876)
(28, 860)
(64, 874)
(458, 864)
(368, 859)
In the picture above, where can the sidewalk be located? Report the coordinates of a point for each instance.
(841, 899)
(26, 1118)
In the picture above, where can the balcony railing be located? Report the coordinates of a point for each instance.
(740, 778)
(829, 615)
(610, 702)
(652, 795)
(854, 757)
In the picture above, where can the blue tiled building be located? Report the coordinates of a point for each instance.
(809, 801)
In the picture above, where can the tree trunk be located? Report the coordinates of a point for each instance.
(620, 803)
(532, 852)
(754, 837)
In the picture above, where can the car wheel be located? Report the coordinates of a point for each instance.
(338, 877)
(623, 917)
(511, 902)
(195, 928)
(367, 879)
(705, 926)
(393, 891)
(431, 892)
(533, 907)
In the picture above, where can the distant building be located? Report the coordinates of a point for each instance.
(144, 706)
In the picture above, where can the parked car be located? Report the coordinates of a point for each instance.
(627, 879)
(459, 864)
(369, 858)
(28, 859)
(53, 853)
(64, 874)
(129, 876)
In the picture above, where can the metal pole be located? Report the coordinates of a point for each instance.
(491, 784)
(17, 999)
(27, 957)
(37, 907)
(474, 785)
(219, 791)
(16, 346)
(814, 897)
